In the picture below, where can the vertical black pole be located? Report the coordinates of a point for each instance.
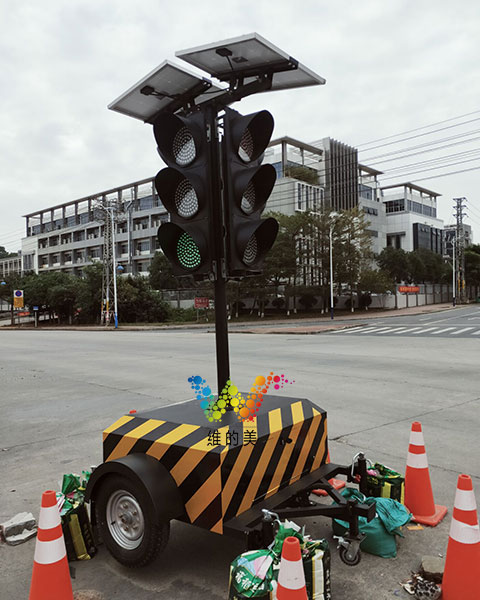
(221, 326)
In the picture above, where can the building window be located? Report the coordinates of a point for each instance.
(143, 247)
(145, 203)
(300, 196)
(79, 236)
(365, 192)
(394, 206)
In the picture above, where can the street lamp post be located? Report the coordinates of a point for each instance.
(331, 272)
(454, 274)
(114, 272)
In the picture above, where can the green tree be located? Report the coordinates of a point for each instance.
(5, 254)
(138, 302)
(394, 262)
(472, 268)
(376, 282)
(353, 248)
(433, 269)
(161, 276)
(90, 294)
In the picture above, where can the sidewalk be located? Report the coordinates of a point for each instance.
(312, 325)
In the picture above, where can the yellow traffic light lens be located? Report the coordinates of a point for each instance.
(251, 251)
(246, 147)
(184, 150)
(248, 199)
(187, 252)
(186, 201)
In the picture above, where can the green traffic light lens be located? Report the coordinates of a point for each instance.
(187, 252)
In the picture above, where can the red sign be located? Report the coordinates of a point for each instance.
(201, 303)
(408, 289)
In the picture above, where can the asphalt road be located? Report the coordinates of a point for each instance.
(463, 322)
(60, 389)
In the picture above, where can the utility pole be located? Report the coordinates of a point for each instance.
(107, 210)
(460, 247)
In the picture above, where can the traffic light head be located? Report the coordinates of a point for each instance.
(183, 189)
(248, 184)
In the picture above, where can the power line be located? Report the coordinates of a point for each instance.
(388, 137)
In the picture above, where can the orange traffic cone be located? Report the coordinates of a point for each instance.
(291, 576)
(51, 576)
(460, 579)
(418, 489)
(338, 484)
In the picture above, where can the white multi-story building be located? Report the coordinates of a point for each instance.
(411, 217)
(69, 236)
(11, 265)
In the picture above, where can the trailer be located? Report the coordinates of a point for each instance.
(235, 477)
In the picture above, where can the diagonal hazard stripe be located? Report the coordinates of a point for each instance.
(218, 527)
(203, 496)
(121, 421)
(275, 420)
(209, 517)
(307, 444)
(236, 472)
(193, 456)
(259, 472)
(275, 425)
(118, 430)
(162, 444)
(317, 447)
(128, 440)
(321, 454)
(297, 415)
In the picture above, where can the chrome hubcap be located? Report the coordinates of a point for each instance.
(125, 520)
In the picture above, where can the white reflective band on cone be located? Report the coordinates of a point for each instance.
(49, 517)
(417, 461)
(294, 579)
(416, 438)
(463, 533)
(465, 500)
(47, 553)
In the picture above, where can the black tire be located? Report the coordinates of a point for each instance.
(127, 522)
(351, 562)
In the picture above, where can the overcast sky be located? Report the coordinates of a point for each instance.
(390, 65)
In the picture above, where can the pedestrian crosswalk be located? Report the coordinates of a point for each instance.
(408, 330)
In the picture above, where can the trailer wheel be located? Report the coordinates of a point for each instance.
(347, 556)
(127, 523)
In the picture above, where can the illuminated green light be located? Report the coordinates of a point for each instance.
(187, 252)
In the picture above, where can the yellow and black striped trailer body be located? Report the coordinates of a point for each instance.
(225, 469)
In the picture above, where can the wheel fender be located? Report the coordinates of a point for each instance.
(145, 471)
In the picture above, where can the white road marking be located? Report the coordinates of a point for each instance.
(461, 330)
(391, 330)
(424, 330)
(443, 330)
(402, 330)
(476, 332)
